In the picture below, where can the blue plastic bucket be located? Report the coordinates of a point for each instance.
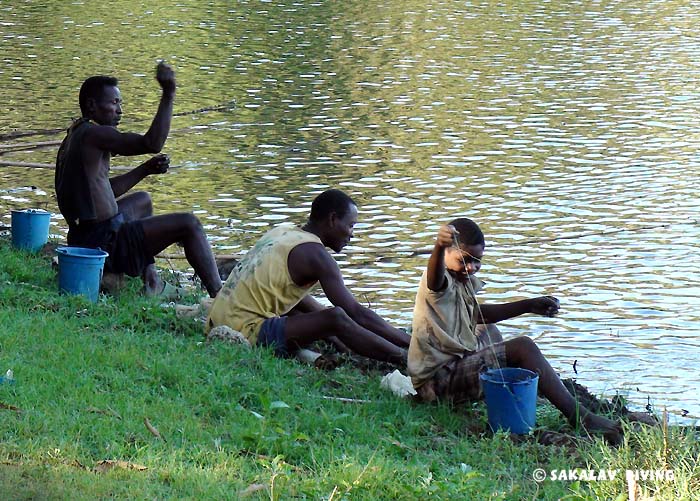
(30, 229)
(511, 399)
(80, 270)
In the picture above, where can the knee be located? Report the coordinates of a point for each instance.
(521, 348)
(144, 202)
(527, 344)
(339, 319)
(192, 223)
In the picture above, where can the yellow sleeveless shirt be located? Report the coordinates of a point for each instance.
(260, 287)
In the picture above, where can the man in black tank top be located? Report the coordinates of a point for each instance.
(96, 207)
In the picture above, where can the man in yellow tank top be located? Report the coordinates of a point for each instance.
(266, 296)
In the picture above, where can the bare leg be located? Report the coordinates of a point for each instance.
(399, 338)
(310, 305)
(523, 352)
(162, 231)
(339, 345)
(138, 205)
(302, 329)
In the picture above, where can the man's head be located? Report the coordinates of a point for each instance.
(467, 259)
(100, 100)
(334, 214)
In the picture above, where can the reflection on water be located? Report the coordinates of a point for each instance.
(567, 131)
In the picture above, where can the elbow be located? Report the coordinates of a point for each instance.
(153, 148)
(153, 145)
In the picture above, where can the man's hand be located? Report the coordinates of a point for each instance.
(166, 77)
(544, 305)
(156, 165)
(445, 236)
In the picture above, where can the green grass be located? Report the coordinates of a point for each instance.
(234, 419)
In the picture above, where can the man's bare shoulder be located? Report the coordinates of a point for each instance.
(98, 134)
(312, 253)
(310, 261)
(109, 138)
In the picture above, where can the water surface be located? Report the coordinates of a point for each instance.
(569, 132)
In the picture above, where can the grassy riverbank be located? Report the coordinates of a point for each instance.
(227, 422)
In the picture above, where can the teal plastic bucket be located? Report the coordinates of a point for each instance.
(511, 399)
(30, 229)
(80, 271)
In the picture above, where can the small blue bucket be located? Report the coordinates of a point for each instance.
(511, 399)
(30, 229)
(80, 271)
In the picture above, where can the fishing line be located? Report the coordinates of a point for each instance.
(470, 291)
(490, 345)
(426, 251)
(6, 148)
(16, 147)
(689, 222)
(224, 106)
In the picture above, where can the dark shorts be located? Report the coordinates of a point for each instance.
(122, 240)
(272, 334)
(458, 380)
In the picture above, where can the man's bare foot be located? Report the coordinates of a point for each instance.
(594, 424)
(327, 362)
(643, 418)
(400, 359)
(153, 290)
(152, 284)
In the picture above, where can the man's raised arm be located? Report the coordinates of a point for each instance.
(158, 132)
(108, 138)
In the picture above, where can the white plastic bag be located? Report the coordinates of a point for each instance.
(399, 384)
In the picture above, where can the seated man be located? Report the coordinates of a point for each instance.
(88, 197)
(266, 297)
(447, 354)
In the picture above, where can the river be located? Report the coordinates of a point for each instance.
(567, 130)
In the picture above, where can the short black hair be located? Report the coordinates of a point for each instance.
(330, 201)
(93, 88)
(469, 231)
